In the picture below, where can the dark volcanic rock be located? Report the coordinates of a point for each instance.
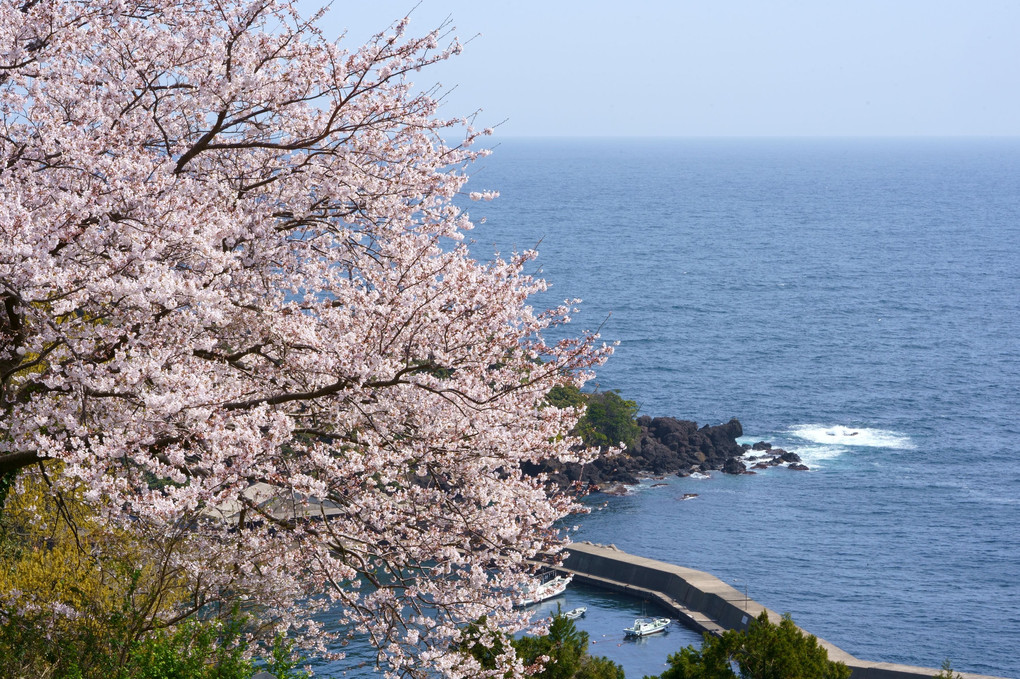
(798, 467)
(734, 466)
(666, 445)
(789, 457)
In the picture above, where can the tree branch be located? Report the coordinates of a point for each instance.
(12, 462)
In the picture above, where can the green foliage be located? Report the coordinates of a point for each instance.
(282, 662)
(711, 662)
(947, 671)
(193, 650)
(480, 644)
(6, 481)
(762, 651)
(599, 667)
(566, 396)
(783, 652)
(564, 645)
(609, 421)
(567, 648)
(207, 650)
(81, 603)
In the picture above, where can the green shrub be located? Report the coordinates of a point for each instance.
(78, 602)
(947, 671)
(567, 648)
(608, 419)
(566, 396)
(194, 650)
(763, 651)
(564, 645)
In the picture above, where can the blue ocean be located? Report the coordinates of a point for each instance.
(855, 301)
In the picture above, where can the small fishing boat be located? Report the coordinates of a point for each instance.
(644, 626)
(575, 613)
(547, 590)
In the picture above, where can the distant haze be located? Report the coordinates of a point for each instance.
(722, 67)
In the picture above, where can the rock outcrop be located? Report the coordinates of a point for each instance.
(667, 445)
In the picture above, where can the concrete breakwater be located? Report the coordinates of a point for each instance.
(703, 602)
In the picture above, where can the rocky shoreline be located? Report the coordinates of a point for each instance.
(668, 446)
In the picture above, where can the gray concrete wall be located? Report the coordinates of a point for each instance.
(705, 603)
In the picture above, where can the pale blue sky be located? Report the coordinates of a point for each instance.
(722, 67)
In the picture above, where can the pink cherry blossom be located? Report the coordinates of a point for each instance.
(225, 263)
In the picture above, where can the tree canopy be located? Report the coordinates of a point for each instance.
(560, 652)
(764, 650)
(229, 255)
(608, 418)
(566, 648)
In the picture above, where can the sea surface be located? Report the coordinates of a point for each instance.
(856, 301)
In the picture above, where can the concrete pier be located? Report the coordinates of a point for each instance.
(705, 603)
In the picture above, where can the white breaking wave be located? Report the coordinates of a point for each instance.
(842, 436)
(817, 456)
(811, 455)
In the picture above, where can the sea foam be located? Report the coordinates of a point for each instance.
(843, 435)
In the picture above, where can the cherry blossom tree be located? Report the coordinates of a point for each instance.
(237, 313)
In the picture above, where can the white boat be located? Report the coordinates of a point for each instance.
(547, 590)
(575, 613)
(644, 626)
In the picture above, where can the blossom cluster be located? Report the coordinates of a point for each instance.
(229, 256)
